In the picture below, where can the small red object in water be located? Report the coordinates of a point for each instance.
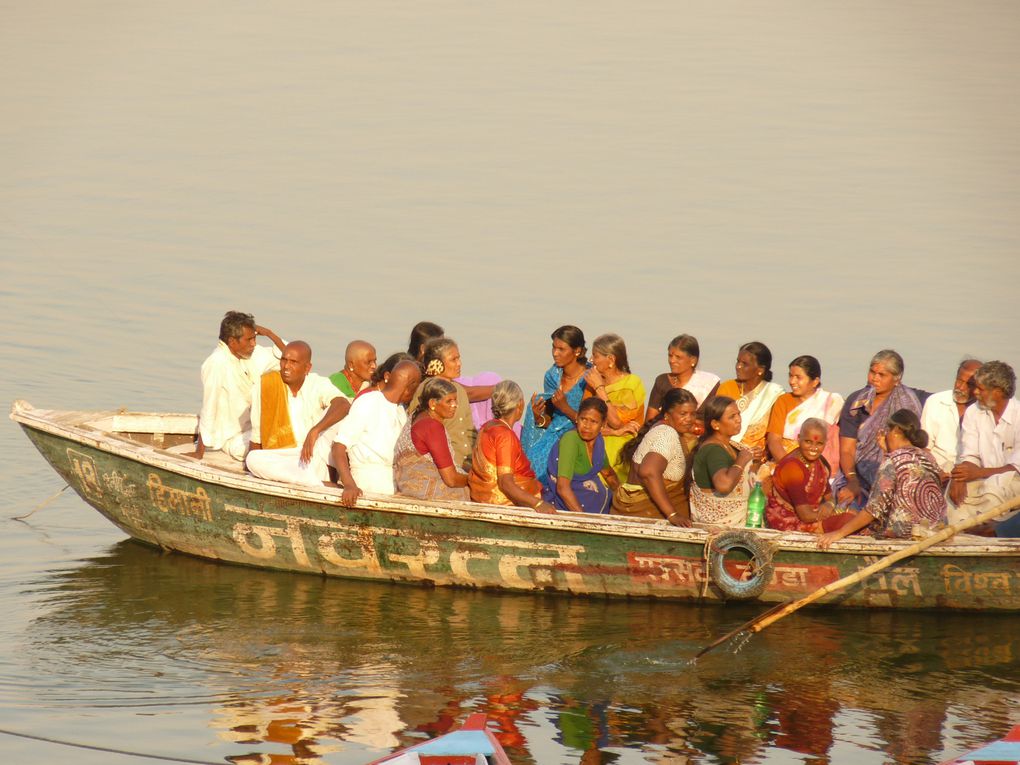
(459, 747)
(1005, 751)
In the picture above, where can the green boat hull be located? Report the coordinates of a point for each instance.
(178, 503)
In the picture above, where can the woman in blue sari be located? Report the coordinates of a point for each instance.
(863, 417)
(576, 462)
(553, 412)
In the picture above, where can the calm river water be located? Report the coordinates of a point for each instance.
(829, 179)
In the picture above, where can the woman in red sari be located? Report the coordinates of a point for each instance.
(801, 498)
(500, 471)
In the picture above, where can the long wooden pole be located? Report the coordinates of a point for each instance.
(760, 622)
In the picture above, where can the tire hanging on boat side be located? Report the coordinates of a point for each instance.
(760, 565)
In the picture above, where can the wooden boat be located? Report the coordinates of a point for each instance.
(470, 744)
(132, 467)
(1005, 751)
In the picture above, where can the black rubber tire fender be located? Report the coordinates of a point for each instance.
(761, 564)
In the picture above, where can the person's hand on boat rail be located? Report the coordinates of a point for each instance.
(351, 492)
(350, 495)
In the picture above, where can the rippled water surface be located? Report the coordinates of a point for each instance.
(830, 180)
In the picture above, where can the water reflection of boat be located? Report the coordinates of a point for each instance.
(470, 744)
(326, 668)
(130, 468)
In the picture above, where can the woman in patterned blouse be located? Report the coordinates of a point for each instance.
(907, 490)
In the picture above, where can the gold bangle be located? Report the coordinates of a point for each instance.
(851, 474)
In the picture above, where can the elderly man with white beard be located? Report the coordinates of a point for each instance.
(228, 376)
(988, 470)
(943, 412)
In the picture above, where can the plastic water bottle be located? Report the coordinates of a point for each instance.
(756, 507)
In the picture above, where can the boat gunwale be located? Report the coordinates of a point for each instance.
(74, 425)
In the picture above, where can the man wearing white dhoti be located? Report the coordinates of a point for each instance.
(294, 413)
(364, 443)
(228, 376)
(988, 470)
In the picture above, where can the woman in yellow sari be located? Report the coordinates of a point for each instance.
(612, 381)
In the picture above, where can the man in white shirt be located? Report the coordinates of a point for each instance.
(363, 447)
(293, 417)
(942, 413)
(228, 375)
(988, 471)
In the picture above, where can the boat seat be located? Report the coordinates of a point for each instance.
(214, 459)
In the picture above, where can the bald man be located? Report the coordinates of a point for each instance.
(294, 413)
(359, 365)
(363, 447)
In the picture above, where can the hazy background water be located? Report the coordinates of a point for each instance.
(830, 179)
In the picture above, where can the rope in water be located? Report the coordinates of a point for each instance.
(41, 505)
(164, 758)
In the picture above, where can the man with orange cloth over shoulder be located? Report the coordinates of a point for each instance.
(293, 414)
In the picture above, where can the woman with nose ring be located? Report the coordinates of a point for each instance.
(800, 498)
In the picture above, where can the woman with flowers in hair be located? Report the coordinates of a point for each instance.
(441, 358)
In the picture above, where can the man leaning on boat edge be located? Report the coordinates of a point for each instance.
(293, 417)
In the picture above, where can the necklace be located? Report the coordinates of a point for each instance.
(747, 396)
(500, 419)
(565, 378)
(350, 382)
(725, 444)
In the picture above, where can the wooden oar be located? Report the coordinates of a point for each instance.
(760, 622)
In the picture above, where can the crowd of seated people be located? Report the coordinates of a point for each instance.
(590, 442)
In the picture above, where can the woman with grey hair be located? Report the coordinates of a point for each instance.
(500, 471)
(863, 417)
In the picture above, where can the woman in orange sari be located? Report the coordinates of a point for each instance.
(753, 390)
(500, 471)
(805, 400)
